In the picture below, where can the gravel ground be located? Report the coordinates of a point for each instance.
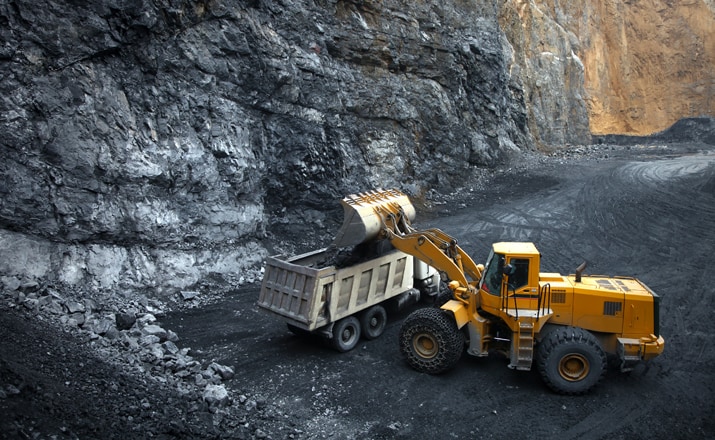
(217, 367)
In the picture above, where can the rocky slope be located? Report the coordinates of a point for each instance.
(149, 145)
(644, 65)
(155, 147)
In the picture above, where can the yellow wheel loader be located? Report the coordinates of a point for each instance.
(568, 325)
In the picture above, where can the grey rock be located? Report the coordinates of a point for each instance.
(181, 373)
(170, 347)
(149, 340)
(172, 336)
(201, 381)
(10, 283)
(189, 295)
(30, 286)
(89, 305)
(100, 326)
(111, 333)
(125, 321)
(12, 390)
(30, 303)
(52, 306)
(155, 330)
(145, 319)
(215, 395)
(157, 352)
(75, 307)
(70, 322)
(223, 371)
(78, 318)
(44, 301)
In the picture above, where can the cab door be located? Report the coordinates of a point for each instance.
(520, 283)
(492, 283)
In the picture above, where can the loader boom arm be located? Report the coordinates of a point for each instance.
(440, 251)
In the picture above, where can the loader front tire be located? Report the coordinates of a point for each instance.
(571, 361)
(430, 341)
(373, 322)
(346, 334)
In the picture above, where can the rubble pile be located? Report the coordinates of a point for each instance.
(134, 338)
(149, 384)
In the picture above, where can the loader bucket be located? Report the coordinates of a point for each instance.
(367, 214)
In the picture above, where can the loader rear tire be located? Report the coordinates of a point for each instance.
(346, 334)
(430, 341)
(571, 361)
(373, 322)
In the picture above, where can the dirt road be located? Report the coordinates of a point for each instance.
(647, 212)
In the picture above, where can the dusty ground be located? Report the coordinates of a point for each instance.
(645, 211)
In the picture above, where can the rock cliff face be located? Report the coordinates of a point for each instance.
(154, 145)
(546, 55)
(644, 65)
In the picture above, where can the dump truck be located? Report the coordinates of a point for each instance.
(569, 326)
(343, 295)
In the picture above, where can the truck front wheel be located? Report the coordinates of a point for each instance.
(430, 341)
(346, 334)
(571, 361)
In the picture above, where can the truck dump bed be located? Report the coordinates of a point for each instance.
(310, 297)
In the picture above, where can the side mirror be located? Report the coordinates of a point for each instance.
(509, 270)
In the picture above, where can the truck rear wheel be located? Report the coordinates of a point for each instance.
(571, 361)
(373, 322)
(431, 341)
(346, 334)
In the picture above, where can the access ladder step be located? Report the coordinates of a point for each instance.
(523, 350)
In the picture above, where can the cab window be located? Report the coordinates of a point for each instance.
(491, 281)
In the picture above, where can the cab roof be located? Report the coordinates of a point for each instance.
(518, 248)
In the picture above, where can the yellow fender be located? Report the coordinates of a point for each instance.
(458, 310)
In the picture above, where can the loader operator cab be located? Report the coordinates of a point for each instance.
(508, 269)
(517, 271)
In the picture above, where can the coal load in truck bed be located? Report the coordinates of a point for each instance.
(350, 256)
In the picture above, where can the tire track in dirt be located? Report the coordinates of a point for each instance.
(648, 200)
(602, 423)
(627, 218)
(650, 224)
(547, 216)
(643, 213)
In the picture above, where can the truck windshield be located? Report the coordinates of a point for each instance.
(491, 281)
